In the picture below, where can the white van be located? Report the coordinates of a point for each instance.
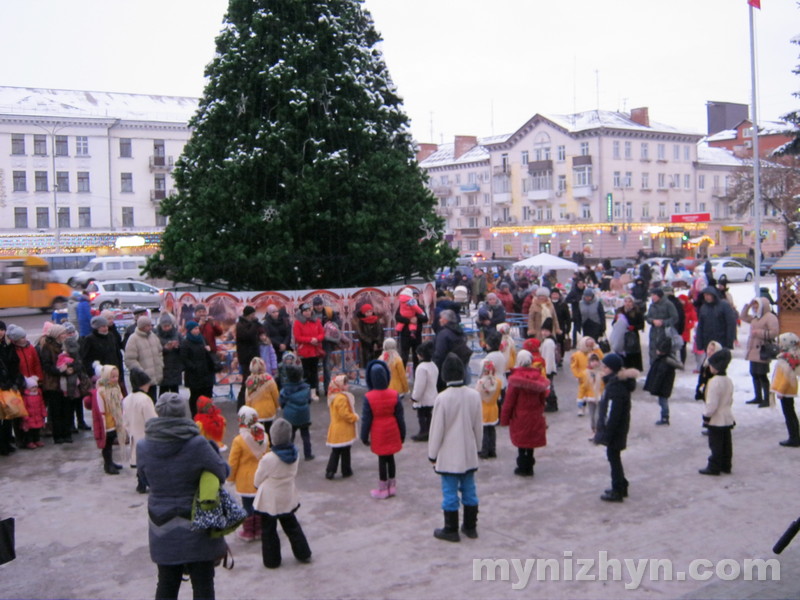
(103, 268)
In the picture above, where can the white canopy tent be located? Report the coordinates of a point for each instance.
(547, 262)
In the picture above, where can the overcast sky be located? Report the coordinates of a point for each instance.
(462, 66)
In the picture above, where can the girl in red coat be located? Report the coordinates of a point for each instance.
(523, 411)
(382, 426)
(308, 336)
(690, 320)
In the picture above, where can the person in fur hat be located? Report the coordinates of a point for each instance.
(705, 373)
(262, 393)
(579, 364)
(718, 417)
(383, 427)
(661, 377)
(784, 384)
(489, 387)
(211, 422)
(59, 408)
(399, 379)
(108, 425)
(523, 411)
(456, 430)
(137, 409)
(247, 449)
(614, 421)
(342, 429)
(764, 328)
(277, 498)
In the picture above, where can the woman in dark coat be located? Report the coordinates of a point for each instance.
(614, 421)
(198, 365)
(368, 328)
(171, 348)
(100, 346)
(523, 411)
(410, 339)
(279, 329)
(170, 460)
(633, 313)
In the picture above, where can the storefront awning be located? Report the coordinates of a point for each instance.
(732, 227)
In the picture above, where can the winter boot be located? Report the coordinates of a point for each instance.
(256, 527)
(392, 487)
(469, 527)
(663, 421)
(247, 531)
(449, 532)
(612, 496)
(382, 492)
(110, 468)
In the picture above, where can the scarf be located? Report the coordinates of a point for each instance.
(369, 320)
(286, 452)
(256, 380)
(255, 438)
(170, 429)
(389, 356)
(197, 339)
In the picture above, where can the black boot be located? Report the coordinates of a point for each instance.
(469, 528)
(449, 532)
(110, 468)
(612, 496)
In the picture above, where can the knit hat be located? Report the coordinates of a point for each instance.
(76, 295)
(720, 360)
(15, 332)
(547, 324)
(98, 322)
(294, 373)
(69, 328)
(204, 404)
(281, 432)
(248, 310)
(524, 359)
(167, 319)
(491, 296)
(318, 301)
(668, 289)
(588, 293)
(139, 378)
(613, 361)
(378, 375)
(453, 370)
(406, 291)
(657, 292)
(191, 325)
(108, 315)
(56, 331)
(532, 345)
(171, 404)
(141, 310)
(143, 322)
(71, 345)
(248, 416)
(366, 307)
(305, 306)
(288, 358)
(390, 344)
(664, 345)
(543, 291)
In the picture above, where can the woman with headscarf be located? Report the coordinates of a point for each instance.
(763, 328)
(170, 460)
(342, 429)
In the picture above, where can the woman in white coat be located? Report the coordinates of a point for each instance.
(137, 409)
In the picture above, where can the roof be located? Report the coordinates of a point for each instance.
(444, 155)
(86, 104)
(708, 155)
(595, 119)
(789, 261)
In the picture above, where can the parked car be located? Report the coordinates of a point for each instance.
(123, 292)
(732, 269)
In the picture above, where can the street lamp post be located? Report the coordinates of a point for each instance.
(55, 196)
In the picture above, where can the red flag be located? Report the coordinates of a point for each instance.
(754, 3)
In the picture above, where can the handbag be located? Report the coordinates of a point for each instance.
(7, 550)
(219, 515)
(769, 349)
(332, 333)
(603, 344)
(631, 343)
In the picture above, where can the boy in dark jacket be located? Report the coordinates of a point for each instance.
(661, 377)
(613, 421)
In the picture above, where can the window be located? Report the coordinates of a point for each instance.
(562, 183)
(81, 145)
(540, 180)
(127, 216)
(504, 162)
(645, 151)
(524, 157)
(627, 182)
(701, 182)
(84, 217)
(645, 181)
(458, 200)
(662, 209)
(561, 153)
(62, 146)
(676, 152)
(582, 176)
(472, 222)
(586, 211)
(471, 178)
(615, 150)
(687, 153)
(40, 145)
(62, 181)
(662, 181)
(687, 182)
(20, 217)
(42, 217)
(458, 178)
(584, 148)
(562, 211)
(83, 181)
(549, 213)
(445, 180)
(487, 199)
(701, 207)
(159, 150)
(617, 179)
(20, 181)
(17, 144)
(41, 180)
(63, 217)
(629, 210)
(646, 209)
(628, 150)
(526, 213)
(161, 220)
(617, 210)
(127, 182)
(539, 215)
(541, 147)
(487, 221)
(661, 150)
(125, 149)
(687, 207)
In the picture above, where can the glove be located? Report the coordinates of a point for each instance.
(32, 381)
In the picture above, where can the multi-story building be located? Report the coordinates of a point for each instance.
(80, 169)
(607, 184)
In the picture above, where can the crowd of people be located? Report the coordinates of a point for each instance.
(527, 327)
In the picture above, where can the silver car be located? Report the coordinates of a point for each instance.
(124, 292)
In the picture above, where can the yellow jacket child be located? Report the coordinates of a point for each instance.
(261, 391)
(579, 364)
(398, 381)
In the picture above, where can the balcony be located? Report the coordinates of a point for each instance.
(501, 170)
(156, 196)
(508, 221)
(540, 166)
(470, 211)
(162, 163)
(470, 187)
(539, 195)
(443, 191)
(470, 232)
(502, 198)
(582, 191)
(444, 211)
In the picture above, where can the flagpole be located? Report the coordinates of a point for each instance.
(756, 158)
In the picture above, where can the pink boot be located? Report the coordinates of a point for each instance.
(247, 532)
(392, 487)
(382, 492)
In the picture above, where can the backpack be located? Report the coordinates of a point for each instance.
(462, 350)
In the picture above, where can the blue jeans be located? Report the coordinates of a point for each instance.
(664, 404)
(452, 484)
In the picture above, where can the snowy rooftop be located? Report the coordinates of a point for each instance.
(720, 136)
(85, 104)
(444, 155)
(717, 156)
(594, 119)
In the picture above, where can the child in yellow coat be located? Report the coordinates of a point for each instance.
(784, 384)
(579, 364)
(247, 449)
(261, 393)
(489, 387)
(398, 380)
(342, 430)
